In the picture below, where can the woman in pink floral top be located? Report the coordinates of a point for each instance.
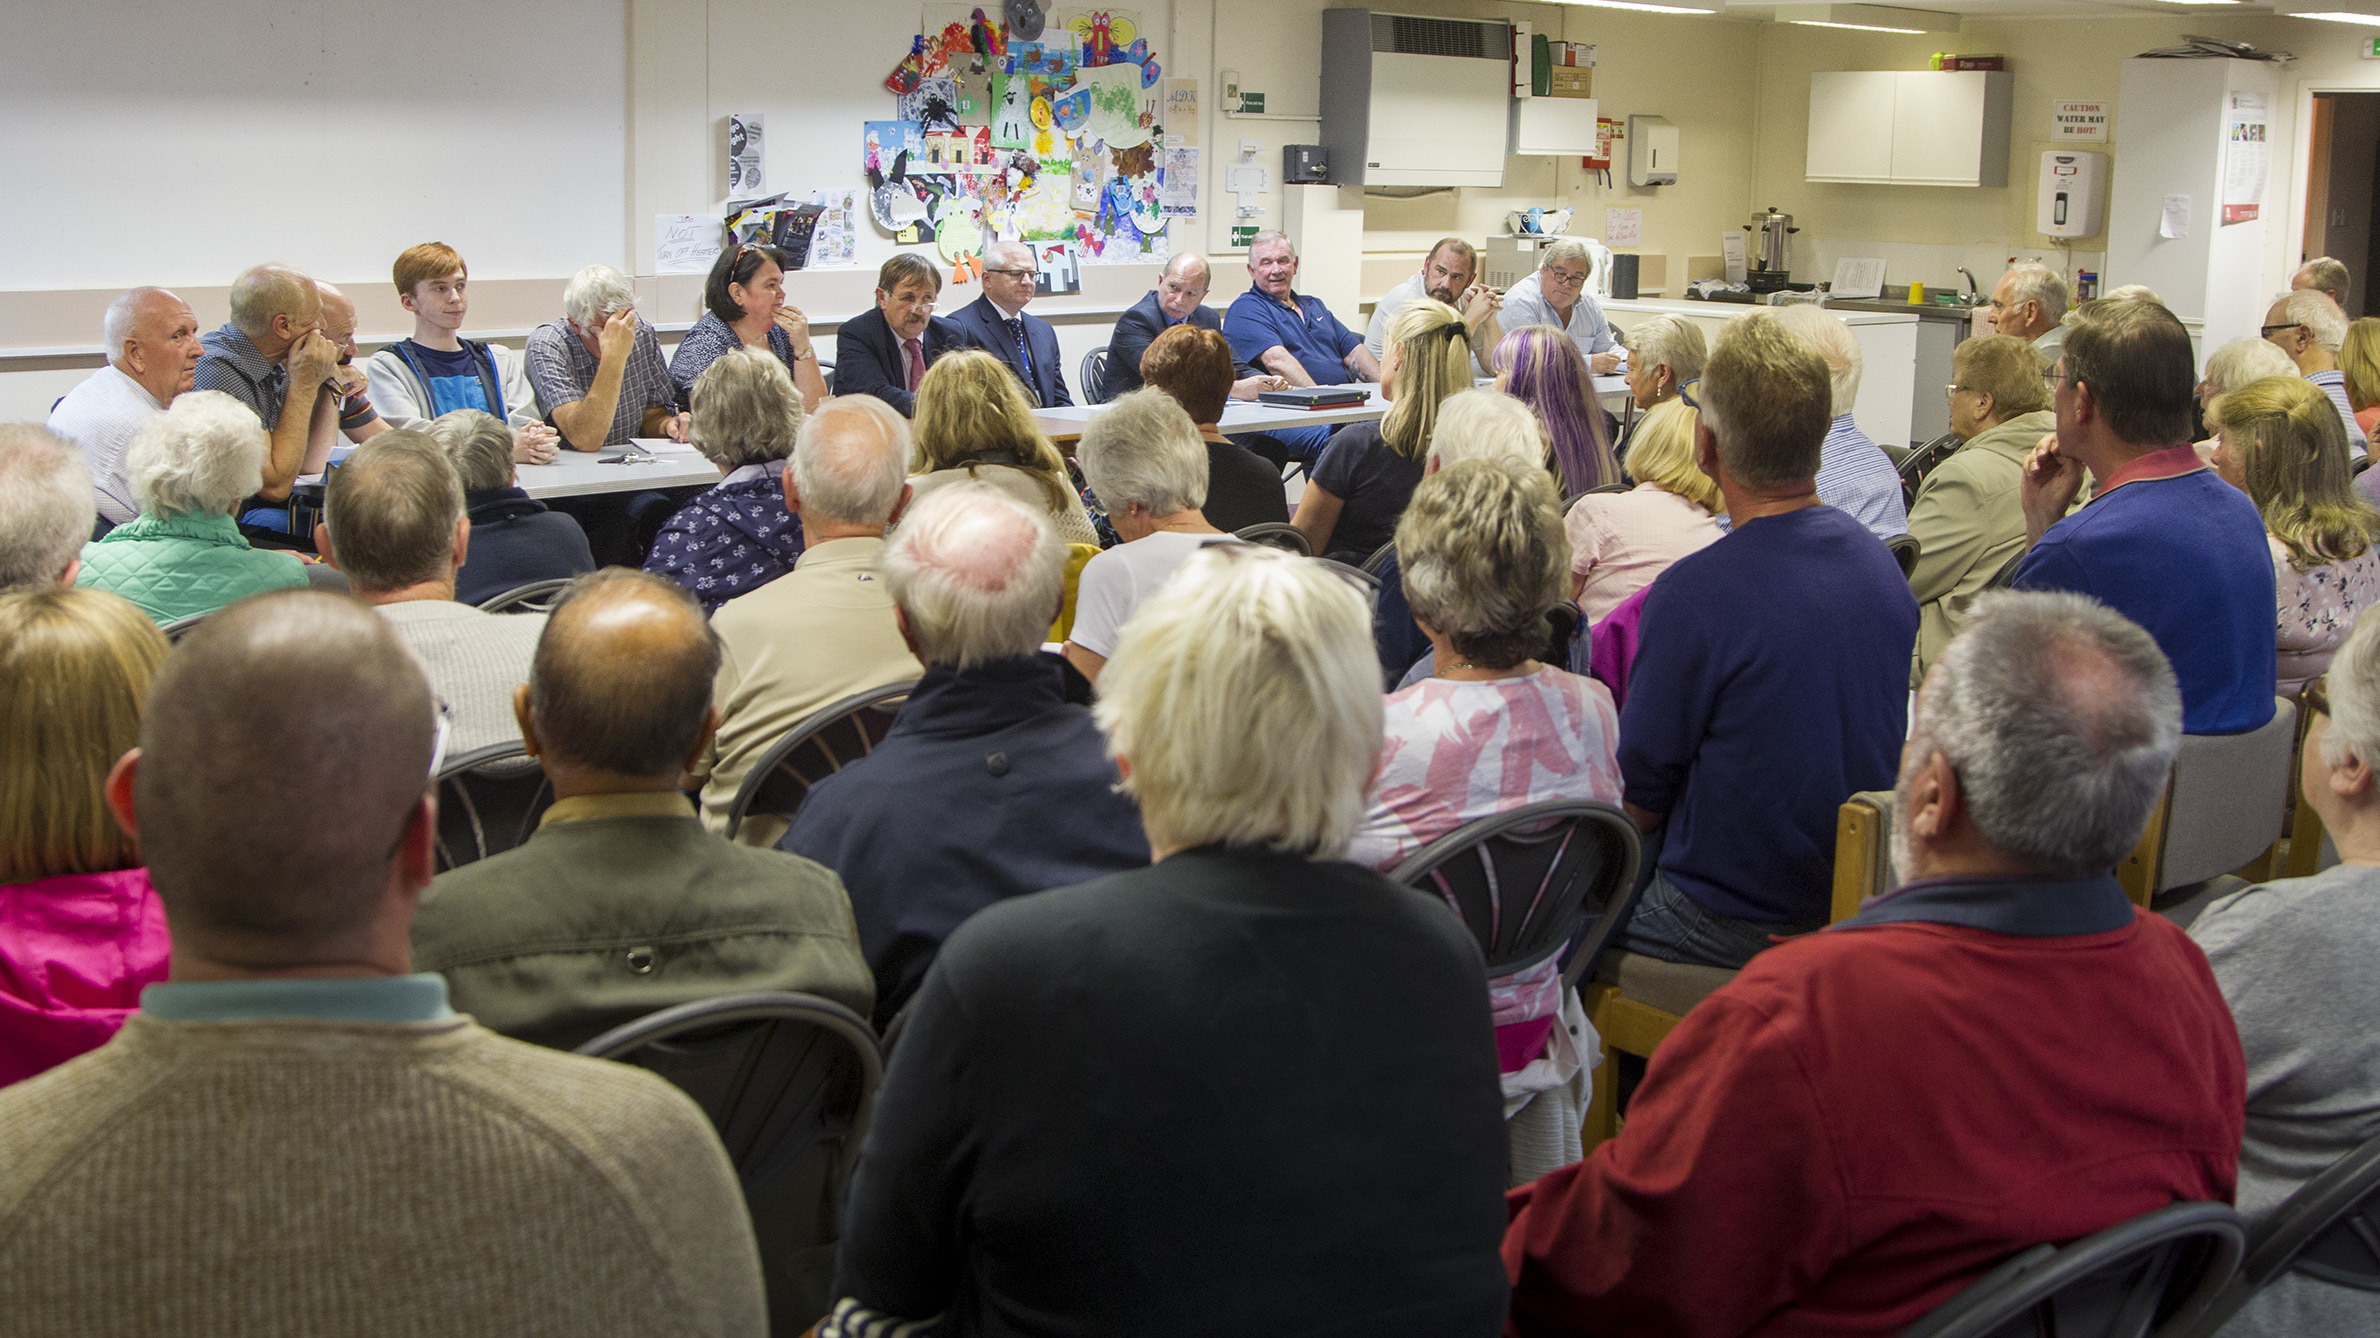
(2280, 441)
(81, 930)
(1484, 559)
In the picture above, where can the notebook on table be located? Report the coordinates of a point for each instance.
(1315, 397)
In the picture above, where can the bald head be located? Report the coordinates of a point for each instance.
(275, 305)
(850, 463)
(282, 761)
(152, 336)
(978, 576)
(338, 319)
(622, 679)
(1185, 264)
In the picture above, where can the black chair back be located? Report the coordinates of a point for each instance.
(832, 738)
(182, 627)
(1277, 534)
(482, 814)
(1092, 376)
(788, 1080)
(1921, 462)
(2006, 576)
(2328, 1230)
(1904, 551)
(1524, 881)
(1355, 576)
(535, 597)
(2153, 1274)
(1377, 561)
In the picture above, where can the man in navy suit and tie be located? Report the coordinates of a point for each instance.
(996, 323)
(1180, 295)
(885, 352)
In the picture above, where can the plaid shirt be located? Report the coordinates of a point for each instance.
(228, 361)
(562, 371)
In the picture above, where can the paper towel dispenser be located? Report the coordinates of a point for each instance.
(1652, 151)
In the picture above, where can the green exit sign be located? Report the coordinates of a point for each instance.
(1252, 104)
(2371, 48)
(1243, 234)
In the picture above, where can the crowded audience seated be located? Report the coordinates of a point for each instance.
(2359, 370)
(616, 708)
(437, 372)
(296, 1133)
(1178, 299)
(2308, 326)
(1854, 473)
(2229, 368)
(598, 370)
(885, 350)
(826, 629)
(393, 522)
(990, 785)
(737, 536)
(2277, 442)
(184, 555)
(1194, 366)
(1558, 294)
(1542, 369)
(2026, 1057)
(1482, 559)
(1665, 354)
(47, 508)
(273, 358)
(1967, 519)
(1149, 468)
(974, 422)
(2029, 302)
(998, 323)
(745, 308)
(2293, 959)
(1248, 1089)
(1360, 485)
(1449, 274)
(2163, 540)
(151, 339)
(81, 930)
(1771, 678)
(515, 539)
(2324, 275)
(1620, 541)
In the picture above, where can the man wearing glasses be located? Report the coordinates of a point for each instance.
(996, 323)
(2308, 326)
(2029, 302)
(2163, 541)
(885, 351)
(1557, 295)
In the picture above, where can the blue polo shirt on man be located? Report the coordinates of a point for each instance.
(2177, 550)
(1771, 683)
(1312, 335)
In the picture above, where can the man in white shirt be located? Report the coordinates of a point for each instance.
(2030, 302)
(1557, 295)
(1448, 274)
(152, 345)
(438, 371)
(2309, 327)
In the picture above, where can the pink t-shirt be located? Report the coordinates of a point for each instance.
(1620, 541)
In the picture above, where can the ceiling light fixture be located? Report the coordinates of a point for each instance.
(1870, 18)
(2196, 4)
(1639, 8)
(2363, 12)
(2338, 16)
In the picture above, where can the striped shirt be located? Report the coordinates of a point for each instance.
(562, 371)
(2334, 384)
(228, 361)
(1855, 475)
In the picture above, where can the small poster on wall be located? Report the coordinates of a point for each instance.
(1055, 270)
(2079, 119)
(2247, 156)
(744, 156)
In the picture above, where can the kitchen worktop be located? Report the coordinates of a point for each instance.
(1729, 310)
(1929, 311)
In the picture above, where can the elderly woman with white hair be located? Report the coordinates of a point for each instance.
(738, 536)
(1665, 354)
(183, 555)
(1854, 473)
(1484, 562)
(1250, 1088)
(515, 539)
(1148, 466)
(598, 371)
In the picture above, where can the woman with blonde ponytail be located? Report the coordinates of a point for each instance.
(2280, 441)
(1363, 479)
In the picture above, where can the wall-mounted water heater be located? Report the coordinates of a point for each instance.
(2073, 193)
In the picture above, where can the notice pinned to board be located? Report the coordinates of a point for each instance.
(745, 153)
(2247, 156)
(1731, 246)
(1623, 227)
(2079, 119)
(685, 243)
(1180, 117)
(1177, 176)
(2173, 221)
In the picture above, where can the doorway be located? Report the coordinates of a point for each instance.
(2343, 164)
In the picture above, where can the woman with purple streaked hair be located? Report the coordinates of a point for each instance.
(1543, 369)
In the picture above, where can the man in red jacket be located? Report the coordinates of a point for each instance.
(2004, 1051)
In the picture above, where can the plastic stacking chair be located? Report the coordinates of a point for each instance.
(182, 627)
(535, 597)
(2221, 818)
(1277, 534)
(1377, 561)
(2153, 1274)
(1092, 376)
(2005, 578)
(2328, 1230)
(1527, 880)
(834, 737)
(2309, 846)
(1922, 461)
(485, 807)
(1863, 852)
(1355, 576)
(1904, 551)
(788, 1080)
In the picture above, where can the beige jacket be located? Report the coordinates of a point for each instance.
(1968, 520)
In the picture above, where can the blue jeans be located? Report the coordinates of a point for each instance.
(1675, 927)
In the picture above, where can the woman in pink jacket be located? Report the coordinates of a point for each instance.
(81, 930)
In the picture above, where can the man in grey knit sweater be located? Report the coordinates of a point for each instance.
(296, 1135)
(2294, 958)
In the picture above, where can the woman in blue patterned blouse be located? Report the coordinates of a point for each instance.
(738, 536)
(746, 297)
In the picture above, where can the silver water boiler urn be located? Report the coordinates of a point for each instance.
(1772, 259)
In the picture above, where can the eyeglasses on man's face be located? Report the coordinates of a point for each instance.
(2270, 330)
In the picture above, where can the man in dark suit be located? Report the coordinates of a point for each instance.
(1180, 296)
(996, 323)
(885, 352)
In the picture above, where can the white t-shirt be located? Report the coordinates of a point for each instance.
(1115, 582)
(98, 418)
